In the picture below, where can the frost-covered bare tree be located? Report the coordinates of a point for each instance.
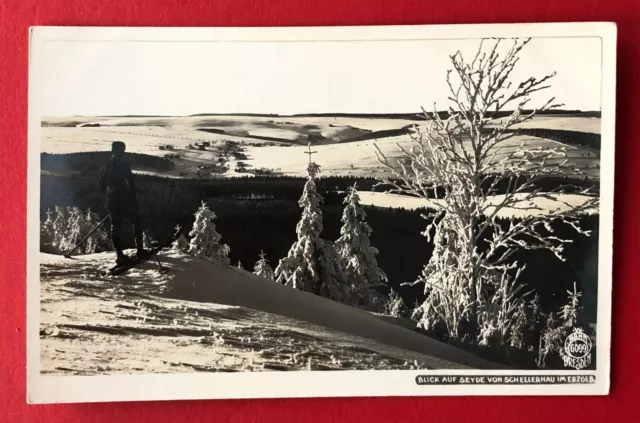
(471, 162)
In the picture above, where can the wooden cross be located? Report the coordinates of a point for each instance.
(310, 152)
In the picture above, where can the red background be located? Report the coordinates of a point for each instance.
(17, 15)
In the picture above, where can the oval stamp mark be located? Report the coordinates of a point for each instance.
(577, 350)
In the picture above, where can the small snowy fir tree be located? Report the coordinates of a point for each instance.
(395, 305)
(559, 326)
(570, 312)
(75, 227)
(46, 230)
(99, 240)
(181, 243)
(333, 280)
(262, 267)
(205, 240)
(356, 254)
(64, 227)
(239, 265)
(59, 227)
(312, 264)
(300, 268)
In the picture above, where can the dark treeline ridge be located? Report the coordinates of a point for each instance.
(385, 133)
(552, 112)
(137, 116)
(571, 185)
(408, 116)
(161, 123)
(574, 138)
(255, 137)
(418, 116)
(261, 213)
(88, 162)
(64, 124)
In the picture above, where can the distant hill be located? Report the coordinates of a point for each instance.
(404, 116)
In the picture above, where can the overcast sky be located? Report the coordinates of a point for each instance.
(182, 78)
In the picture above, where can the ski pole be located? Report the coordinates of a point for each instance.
(162, 268)
(68, 255)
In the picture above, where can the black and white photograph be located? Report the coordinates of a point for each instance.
(300, 212)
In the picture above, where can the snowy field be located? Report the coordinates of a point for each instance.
(540, 206)
(344, 145)
(205, 317)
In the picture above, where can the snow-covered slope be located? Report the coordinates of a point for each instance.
(204, 316)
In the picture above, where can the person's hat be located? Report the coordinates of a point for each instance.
(117, 147)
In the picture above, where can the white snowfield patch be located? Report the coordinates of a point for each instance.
(525, 208)
(210, 317)
(149, 172)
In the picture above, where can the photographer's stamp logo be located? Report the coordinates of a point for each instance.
(577, 350)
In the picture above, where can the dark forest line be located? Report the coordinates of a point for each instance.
(257, 214)
(88, 164)
(409, 116)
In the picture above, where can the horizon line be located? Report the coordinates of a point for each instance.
(319, 114)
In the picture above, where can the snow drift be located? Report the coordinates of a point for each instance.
(208, 316)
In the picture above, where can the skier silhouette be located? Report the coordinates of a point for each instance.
(116, 181)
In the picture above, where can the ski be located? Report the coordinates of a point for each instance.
(135, 261)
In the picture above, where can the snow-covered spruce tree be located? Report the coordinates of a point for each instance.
(205, 240)
(99, 239)
(469, 160)
(75, 225)
(64, 227)
(357, 255)
(181, 243)
(59, 227)
(395, 305)
(262, 267)
(46, 231)
(559, 326)
(312, 264)
(333, 281)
